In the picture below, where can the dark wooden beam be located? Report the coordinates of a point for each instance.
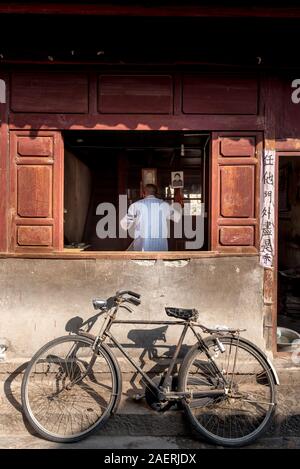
(134, 122)
(155, 11)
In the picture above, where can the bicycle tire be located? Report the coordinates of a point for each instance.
(209, 406)
(72, 370)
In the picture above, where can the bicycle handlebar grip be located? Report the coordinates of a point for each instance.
(132, 293)
(135, 301)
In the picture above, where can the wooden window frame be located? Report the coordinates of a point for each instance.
(279, 153)
(150, 255)
(61, 253)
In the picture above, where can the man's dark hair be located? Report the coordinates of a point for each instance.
(176, 174)
(150, 189)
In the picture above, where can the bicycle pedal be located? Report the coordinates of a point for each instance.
(138, 397)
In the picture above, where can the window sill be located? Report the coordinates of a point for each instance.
(168, 255)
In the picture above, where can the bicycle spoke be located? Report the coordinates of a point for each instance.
(69, 389)
(246, 405)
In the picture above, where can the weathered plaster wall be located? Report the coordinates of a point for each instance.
(38, 297)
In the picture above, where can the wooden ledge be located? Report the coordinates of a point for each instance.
(121, 255)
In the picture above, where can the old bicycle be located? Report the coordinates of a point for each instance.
(225, 383)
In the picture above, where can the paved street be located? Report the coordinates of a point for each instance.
(136, 426)
(134, 442)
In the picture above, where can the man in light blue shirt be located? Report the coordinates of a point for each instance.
(147, 221)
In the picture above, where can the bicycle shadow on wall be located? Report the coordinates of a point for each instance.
(151, 344)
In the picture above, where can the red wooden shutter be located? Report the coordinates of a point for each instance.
(4, 79)
(36, 191)
(235, 191)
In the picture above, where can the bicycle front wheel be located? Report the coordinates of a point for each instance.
(246, 401)
(68, 390)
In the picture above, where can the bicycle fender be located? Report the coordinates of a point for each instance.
(248, 342)
(264, 355)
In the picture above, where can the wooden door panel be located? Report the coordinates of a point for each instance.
(49, 92)
(219, 94)
(235, 191)
(36, 167)
(38, 146)
(135, 94)
(34, 235)
(237, 146)
(35, 190)
(236, 235)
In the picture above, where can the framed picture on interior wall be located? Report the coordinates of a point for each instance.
(149, 176)
(177, 181)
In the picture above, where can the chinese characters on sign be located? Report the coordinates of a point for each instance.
(267, 209)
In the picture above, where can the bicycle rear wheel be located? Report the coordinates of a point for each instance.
(243, 411)
(68, 390)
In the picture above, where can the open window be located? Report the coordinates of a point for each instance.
(102, 165)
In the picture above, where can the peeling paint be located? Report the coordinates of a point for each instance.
(177, 263)
(144, 262)
(3, 348)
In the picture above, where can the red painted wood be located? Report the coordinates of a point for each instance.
(236, 235)
(135, 94)
(219, 94)
(34, 236)
(184, 10)
(36, 184)
(237, 147)
(4, 166)
(288, 145)
(235, 192)
(287, 112)
(133, 122)
(131, 102)
(237, 184)
(40, 146)
(49, 92)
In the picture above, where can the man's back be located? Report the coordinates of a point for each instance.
(151, 228)
(148, 222)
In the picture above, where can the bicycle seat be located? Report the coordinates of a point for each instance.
(182, 313)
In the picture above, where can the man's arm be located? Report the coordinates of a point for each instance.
(175, 212)
(130, 218)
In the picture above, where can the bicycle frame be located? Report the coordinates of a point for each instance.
(163, 389)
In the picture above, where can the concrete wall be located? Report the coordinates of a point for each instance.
(38, 297)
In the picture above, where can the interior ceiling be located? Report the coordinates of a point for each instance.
(133, 139)
(88, 145)
(141, 40)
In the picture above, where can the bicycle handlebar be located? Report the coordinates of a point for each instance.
(134, 301)
(128, 292)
